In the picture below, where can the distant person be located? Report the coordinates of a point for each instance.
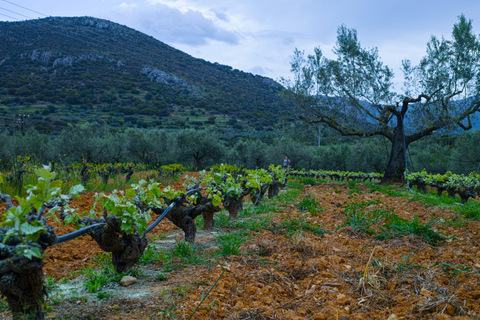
(286, 163)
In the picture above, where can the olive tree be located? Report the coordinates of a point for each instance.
(354, 94)
(198, 146)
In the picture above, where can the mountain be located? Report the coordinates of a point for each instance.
(62, 70)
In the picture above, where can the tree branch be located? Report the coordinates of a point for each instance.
(345, 131)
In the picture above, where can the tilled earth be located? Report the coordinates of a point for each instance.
(343, 274)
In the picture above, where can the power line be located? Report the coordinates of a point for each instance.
(14, 12)
(1, 14)
(126, 49)
(25, 8)
(141, 54)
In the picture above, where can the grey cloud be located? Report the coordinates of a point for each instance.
(220, 15)
(288, 41)
(174, 27)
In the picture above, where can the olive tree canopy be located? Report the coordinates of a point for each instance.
(354, 93)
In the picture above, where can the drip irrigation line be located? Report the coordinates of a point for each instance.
(170, 207)
(153, 225)
(78, 233)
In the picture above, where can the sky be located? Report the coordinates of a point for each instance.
(260, 36)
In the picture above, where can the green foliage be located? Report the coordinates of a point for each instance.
(151, 254)
(309, 203)
(104, 295)
(184, 250)
(124, 205)
(16, 218)
(309, 180)
(161, 276)
(454, 269)
(221, 219)
(294, 226)
(362, 220)
(396, 227)
(130, 95)
(254, 224)
(470, 210)
(105, 273)
(230, 243)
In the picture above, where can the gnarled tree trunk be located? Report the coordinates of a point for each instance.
(396, 162)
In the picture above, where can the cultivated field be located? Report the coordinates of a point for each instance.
(330, 250)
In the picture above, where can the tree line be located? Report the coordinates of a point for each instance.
(199, 149)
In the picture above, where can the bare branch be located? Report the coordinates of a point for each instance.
(345, 131)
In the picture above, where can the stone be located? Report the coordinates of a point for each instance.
(450, 310)
(393, 316)
(425, 292)
(127, 281)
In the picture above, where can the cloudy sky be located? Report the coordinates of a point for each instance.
(259, 36)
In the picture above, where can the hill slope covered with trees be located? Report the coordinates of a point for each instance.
(68, 70)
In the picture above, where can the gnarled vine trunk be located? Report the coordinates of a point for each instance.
(183, 216)
(273, 189)
(126, 249)
(21, 278)
(233, 205)
(21, 282)
(257, 196)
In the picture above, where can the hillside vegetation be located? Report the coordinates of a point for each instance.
(70, 70)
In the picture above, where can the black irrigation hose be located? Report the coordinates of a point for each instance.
(78, 233)
(170, 207)
(153, 225)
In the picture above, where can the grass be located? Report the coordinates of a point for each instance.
(254, 223)
(184, 250)
(368, 218)
(230, 243)
(152, 254)
(311, 181)
(183, 254)
(293, 226)
(396, 227)
(353, 188)
(360, 219)
(103, 272)
(470, 210)
(309, 203)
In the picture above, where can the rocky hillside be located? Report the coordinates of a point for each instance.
(69, 70)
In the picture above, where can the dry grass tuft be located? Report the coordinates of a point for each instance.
(303, 245)
(252, 314)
